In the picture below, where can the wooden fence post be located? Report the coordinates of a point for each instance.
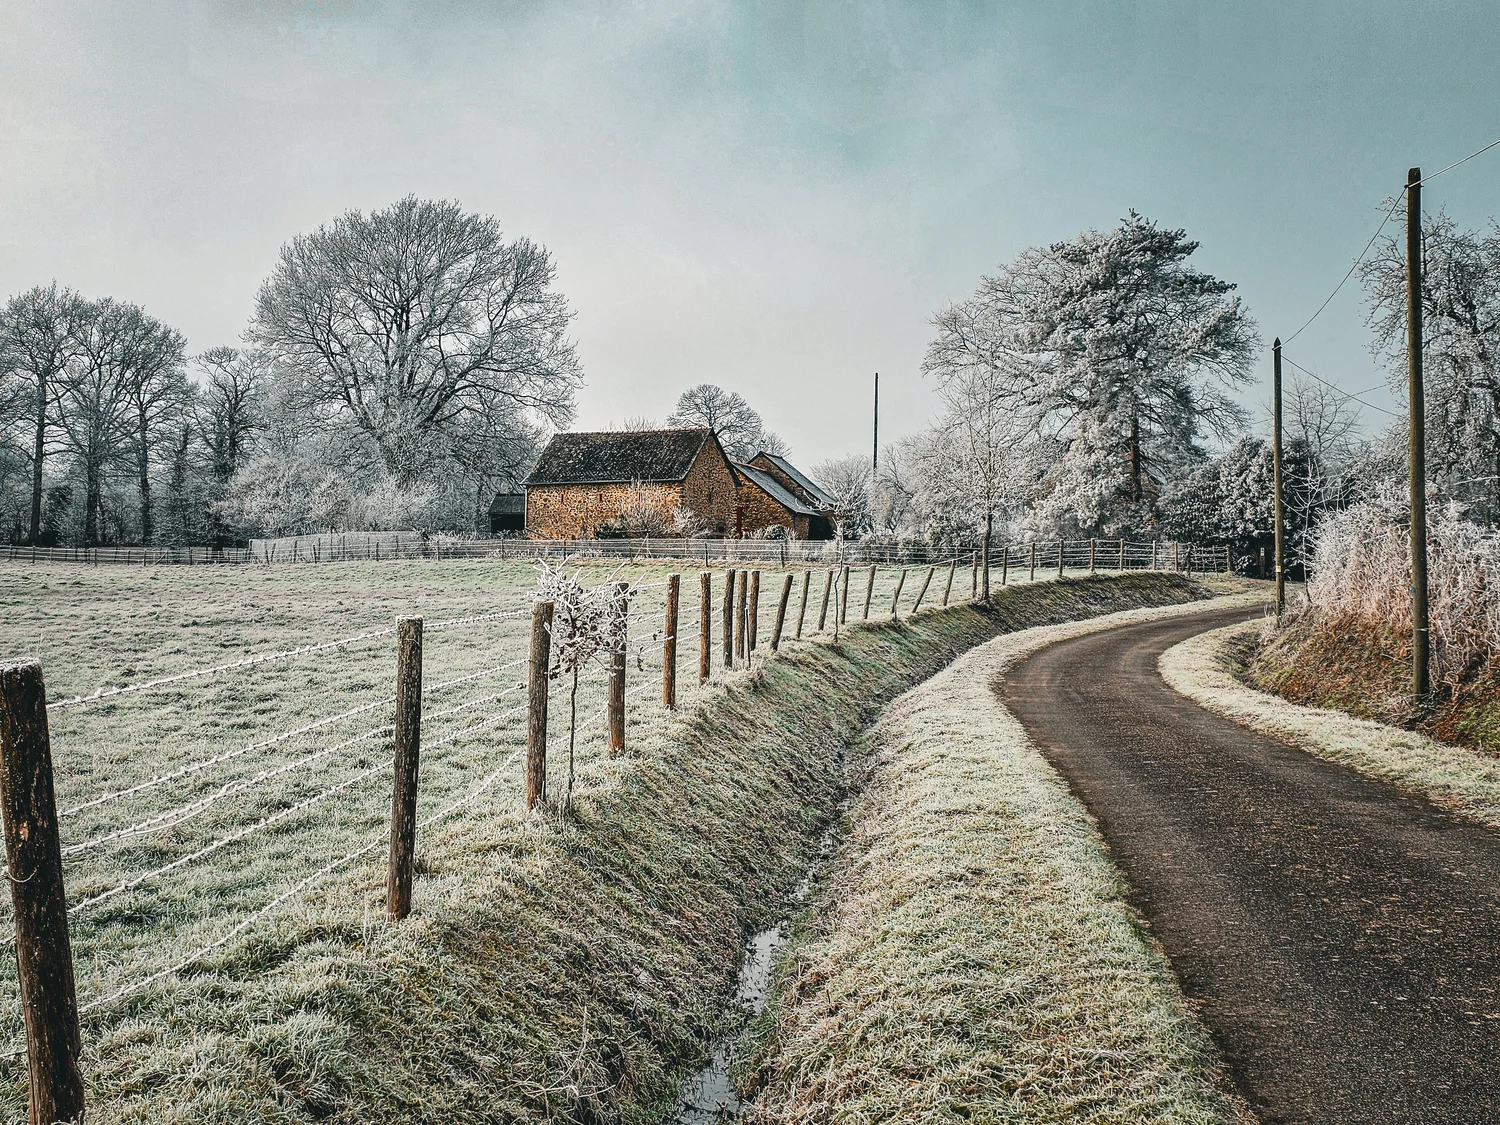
(869, 593)
(1033, 560)
(1005, 564)
(1122, 555)
(752, 613)
(705, 626)
(669, 645)
(1060, 543)
(408, 755)
(726, 624)
(802, 608)
(536, 718)
(823, 609)
(896, 601)
(923, 591)
(786, 596)
(617, 673)
(948, 589)
(44, 955)
(843, 613)
(1091, 556)
(974, 577)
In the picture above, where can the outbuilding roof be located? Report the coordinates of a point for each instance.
(774, 488)
(619, 457)
(508, 504)
(807, 484)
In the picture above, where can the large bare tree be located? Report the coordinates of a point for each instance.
(150, 356)
(412, 321)
(94, 413)
(738, 425)
(38, 339)
(227, 409)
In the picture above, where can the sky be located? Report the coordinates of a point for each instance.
(775, 197)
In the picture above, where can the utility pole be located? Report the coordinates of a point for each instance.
(1416, 424)
(1276, 474)
(875, 439)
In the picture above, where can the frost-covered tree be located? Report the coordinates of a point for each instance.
(847, 480)
(1113, 347)
(415, 326)
(150, 361)
(38, 339)
(738, 425)
(1460, 352)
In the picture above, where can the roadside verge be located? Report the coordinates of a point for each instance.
(971, 955)
(1204, 668)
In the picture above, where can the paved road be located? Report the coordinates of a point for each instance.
(1341, 939)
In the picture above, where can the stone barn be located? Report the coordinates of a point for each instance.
(587, 482)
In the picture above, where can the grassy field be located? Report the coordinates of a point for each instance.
(971, 956)
(103, 628)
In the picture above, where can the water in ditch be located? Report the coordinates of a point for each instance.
(708, 1096)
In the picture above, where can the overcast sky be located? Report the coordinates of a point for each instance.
(774, 197)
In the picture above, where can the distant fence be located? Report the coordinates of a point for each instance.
(1101, 554)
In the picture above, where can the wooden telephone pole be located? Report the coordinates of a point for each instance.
(1417, 444)
(875, 430)
(1276, 474)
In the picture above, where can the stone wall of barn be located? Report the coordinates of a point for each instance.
(763, 510)
(575, 511)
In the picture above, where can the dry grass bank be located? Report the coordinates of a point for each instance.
(973, 958)
(1352, 663)
(550, 970)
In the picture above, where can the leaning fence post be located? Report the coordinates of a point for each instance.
(727, 622)
(869, 593)
(617, 673)
(823, 609)
(916, 605)
(786, 596)
(802, 608)
(842, 616)
(752, 613)
(948, 589)
(669, 646)
(896, 601)
(44, 956)
(536, 719)
(705, 625)
(408, 753)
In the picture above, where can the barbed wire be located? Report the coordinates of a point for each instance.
(214, 670)
(219, 759)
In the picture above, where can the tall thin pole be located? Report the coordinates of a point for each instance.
(1276, 474)
(875, 432)
(1417, 425)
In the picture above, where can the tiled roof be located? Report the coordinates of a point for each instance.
(773, 488)
(618, 457)
(807, 483)
(508, 503)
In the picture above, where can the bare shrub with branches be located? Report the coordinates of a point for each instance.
(1362, 567)
(588, 622)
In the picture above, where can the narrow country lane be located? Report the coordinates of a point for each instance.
(1341, 938)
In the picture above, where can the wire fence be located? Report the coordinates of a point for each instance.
(187, 820)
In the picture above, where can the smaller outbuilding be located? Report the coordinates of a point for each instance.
(508, 513)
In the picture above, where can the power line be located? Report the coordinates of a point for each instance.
(1337, 390)
(1345, 280)
(1456, 163)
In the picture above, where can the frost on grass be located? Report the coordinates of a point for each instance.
(976, 959)
(1202, 668)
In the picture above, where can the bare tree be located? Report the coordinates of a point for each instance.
(1460, 349)
(95, 405)
(228, 406)
(150, 358)
(38, 339)
(738, 426)
(410, 320)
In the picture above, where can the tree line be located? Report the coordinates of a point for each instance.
(398, 368)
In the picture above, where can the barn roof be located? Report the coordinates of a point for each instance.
(619, 457)
(774, 488)
(807, 484)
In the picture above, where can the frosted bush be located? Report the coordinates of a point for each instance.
(1362, 567)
